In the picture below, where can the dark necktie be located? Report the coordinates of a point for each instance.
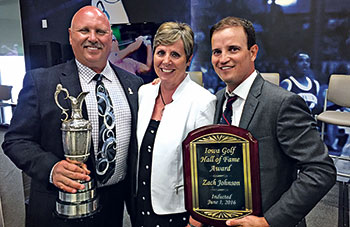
(226, 117)
(107, 145)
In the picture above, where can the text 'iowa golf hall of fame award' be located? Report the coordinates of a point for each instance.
(222, 180)
(76, 138)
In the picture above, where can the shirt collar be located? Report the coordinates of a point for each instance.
(243, 89)
(88, 74)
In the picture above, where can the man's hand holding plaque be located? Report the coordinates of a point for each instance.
(248, 221)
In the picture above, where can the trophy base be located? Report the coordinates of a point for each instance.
(84, 203)
(77, 211)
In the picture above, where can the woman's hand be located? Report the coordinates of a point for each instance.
(156, 81)
(193, 223)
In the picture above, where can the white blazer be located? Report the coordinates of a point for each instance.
(193, 106)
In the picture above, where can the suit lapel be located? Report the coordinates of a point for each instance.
(130, 90)
(124, 81)
(70, 79)
(251, 103)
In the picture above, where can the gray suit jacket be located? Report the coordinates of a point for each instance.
(34, 139)
(288, 141)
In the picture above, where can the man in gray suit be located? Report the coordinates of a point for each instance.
(34, 139)
(295, 169)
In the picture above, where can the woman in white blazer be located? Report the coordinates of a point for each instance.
(168, 111)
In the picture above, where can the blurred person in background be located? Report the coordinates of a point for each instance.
(121, 58)
(303, 83)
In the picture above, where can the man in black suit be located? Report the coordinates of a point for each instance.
(295, 169)
(34, 139)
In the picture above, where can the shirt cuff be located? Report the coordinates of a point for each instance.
(50, 179)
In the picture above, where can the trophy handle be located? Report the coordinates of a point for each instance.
(59, 88)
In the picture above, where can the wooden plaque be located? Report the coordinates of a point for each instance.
(222, 179)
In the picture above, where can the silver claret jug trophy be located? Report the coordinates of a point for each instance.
(76, 137)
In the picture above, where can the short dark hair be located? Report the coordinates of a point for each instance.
(233, 22)
(294, 58)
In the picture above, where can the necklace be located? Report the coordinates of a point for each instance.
(161, 96)
(164, 104)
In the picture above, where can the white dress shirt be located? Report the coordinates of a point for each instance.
(121, 111)
(242, 92)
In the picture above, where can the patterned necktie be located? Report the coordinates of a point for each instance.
(226, 117)
(107, 144)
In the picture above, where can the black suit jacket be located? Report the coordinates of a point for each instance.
(34, 139)
(288, 140)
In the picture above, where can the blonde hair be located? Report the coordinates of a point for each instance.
(170, 32)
